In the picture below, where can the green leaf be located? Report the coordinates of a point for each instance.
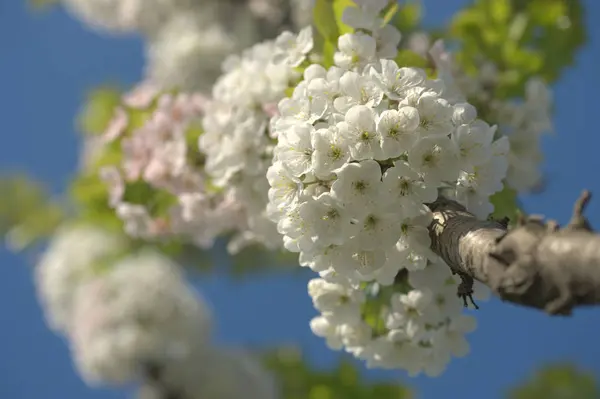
(256, 258)
(329, 49)
(324, 20)
(408, 58)
(327, 17)
(99, 109)
(506, 204)
(28, 213)
(194, 258)
(522, 38)
(408, 16)
(499, 10)
(390, 12)
(90, 195)
(558, 382)
(194, 156)
(338, 9)
(298, 380)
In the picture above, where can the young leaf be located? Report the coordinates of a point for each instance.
(506, 204)
(327, 17)
(98, 110)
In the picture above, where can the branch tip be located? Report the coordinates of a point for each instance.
(535, 263)
(578, 220)
(498, 256)
(582, 202)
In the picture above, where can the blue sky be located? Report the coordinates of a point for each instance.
(48, 61)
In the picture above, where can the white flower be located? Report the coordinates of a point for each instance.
(188, 50)
(328, 258)
(355, 49)
(415, 230)
(111, 176)
(398, 130)
(292, 49)
(323, 88)
(331, 151)
(435, 113)
(386, 276)
(142, 309)
(387, 39)
(74, 256)
(358, 187)
(453, 337)
(434, 276)
(294, 229)
(407, 188)
(412, 254)
(408, 311)
(323, 327)
(395, 81)
(191, 378)
(295, 149)
(340, 304)
(327, 221)
(435, 158)
(388, 140)
(365, 16)
(355, 337)
(314, 71)
(357, 89)
(445, 67)
(447, 305)
(284, 189)
(464, 114)
(474, 143)
(485, 178)
(238, 141)
(366, 260)
(380, 229)
(359, 132)
(294, 110)
(123, 16)
(138, 222)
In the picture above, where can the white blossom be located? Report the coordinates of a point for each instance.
(292, 49)
(124, 16)
(74, 255)
(187, 51)
(140, 311)
(349, 191)
(355, 49)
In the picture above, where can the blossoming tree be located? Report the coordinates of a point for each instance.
(336, 135)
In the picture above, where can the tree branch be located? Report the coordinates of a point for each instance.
(153, 375)
(535, 264)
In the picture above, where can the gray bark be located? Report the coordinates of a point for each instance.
(154, 387)
(535, 263)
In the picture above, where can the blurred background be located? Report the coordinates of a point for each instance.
(48, 62)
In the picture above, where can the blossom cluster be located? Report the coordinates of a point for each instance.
(237, 139)
(123, 16)
(186, 40)
(362, 148)
(215, 372)
(71, 257)
(523, 122)
(160, 154)
(140, 311)
(123, 313)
